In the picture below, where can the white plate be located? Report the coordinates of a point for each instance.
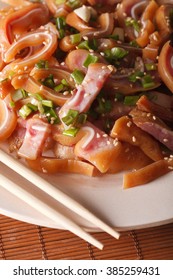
(139, 207)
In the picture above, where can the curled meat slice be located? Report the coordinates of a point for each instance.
(146, 105)
(106, 25)
(31, 85)
(154, 126)
(93, 82)
(146, 174)
(58, 10)
(163, 22)
(75, 59)
(97, 147)
(165, 65)
(55, 165)
(125, 130)
(19, 21)
(73, 20)
(8, 118)
(45, 37)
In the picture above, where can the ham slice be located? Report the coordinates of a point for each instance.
(37, 131)
(93, 82)
(154, 126)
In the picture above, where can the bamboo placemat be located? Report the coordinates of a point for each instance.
(23, 241)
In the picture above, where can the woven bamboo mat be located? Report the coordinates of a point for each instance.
(22, 241)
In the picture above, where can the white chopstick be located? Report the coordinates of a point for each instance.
(48, 211)
(55, 193)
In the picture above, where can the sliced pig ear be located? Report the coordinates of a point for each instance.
(165, 65)
(97, 147)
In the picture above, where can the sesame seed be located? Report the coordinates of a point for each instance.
(86, 95)
(134, 139)
(129, 124)
(105, 135)
(20, 77)
(115, 142)
(85, 38)
(110, 67)
(66, 92)
(97, 135)
(44, 170)
(108, 142)
(102, 53)
(165, 140)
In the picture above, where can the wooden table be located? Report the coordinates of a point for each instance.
(22, 241)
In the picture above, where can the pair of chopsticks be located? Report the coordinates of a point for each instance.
(58, 195)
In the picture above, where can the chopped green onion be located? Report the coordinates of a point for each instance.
(12, 104)
(136, 76)
(147, 81)
(73, 4)
(75, 38)
(40, 107)
(38, 97)
(104, 106)
(131, 100)
(25, 111)
(61, 33)
(88, 45)
(64, 82)
(71, 131)
(81, 119)
(70, 117)
(90, 59)
(150, 66)
(133, 43)
(118, 53)
(52, 117)
(77, 76)
(32, 107)
(49, 81)
(58, 2)
(60, 23)
(84, 45)
(19, 94)
(114, 37)
(42, 64)
(59, 87)
(11, 74)
(47, 103)
(133, 22)
(119, 96)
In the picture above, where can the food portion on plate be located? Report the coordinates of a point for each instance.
(86, 86)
